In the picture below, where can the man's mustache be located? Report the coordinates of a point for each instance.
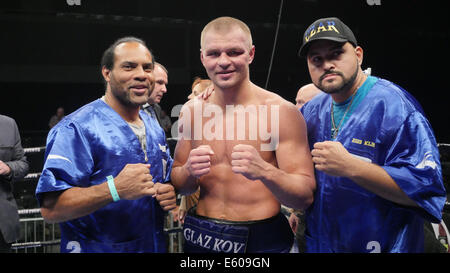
(330, 72)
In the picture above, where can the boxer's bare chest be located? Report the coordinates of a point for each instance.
(224, 128)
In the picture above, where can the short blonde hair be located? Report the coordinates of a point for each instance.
(225, 24)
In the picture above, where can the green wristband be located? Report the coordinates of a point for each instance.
(112, 188)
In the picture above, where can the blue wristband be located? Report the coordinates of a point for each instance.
(112, 188)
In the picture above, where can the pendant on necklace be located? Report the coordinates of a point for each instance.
(334, 132)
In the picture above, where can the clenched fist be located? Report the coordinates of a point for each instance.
(246, 160)
(332, 158)
(134, 181)
(165, 194)
(199, 161)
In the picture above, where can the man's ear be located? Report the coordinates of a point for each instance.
(359, 54)
(106, 74)
(201, 56)
(252, 54)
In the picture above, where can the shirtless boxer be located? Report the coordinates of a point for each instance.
(242, 181)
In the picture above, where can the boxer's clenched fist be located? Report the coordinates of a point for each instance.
(246, 160)
(199, 161)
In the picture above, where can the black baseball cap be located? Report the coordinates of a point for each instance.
(331, 28)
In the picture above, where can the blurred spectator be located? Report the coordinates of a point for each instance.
(161, 80)
(305, 94)
(56, 118)
(199, 86)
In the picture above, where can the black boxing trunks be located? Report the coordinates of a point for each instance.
(208, 235)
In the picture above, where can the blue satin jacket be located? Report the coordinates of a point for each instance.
(84, 148)
(387, 128)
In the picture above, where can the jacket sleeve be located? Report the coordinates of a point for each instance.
(18, 163)
(68, 160)
(413, 162)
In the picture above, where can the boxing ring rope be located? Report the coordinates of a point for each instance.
(34, 150)
(38, 224)
(52, 241)
(32, 176)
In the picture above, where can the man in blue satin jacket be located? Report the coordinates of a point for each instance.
(107, 164)
(377, 163)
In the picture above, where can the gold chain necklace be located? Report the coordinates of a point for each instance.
(335, 130)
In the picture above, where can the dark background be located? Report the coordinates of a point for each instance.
(51, 50)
